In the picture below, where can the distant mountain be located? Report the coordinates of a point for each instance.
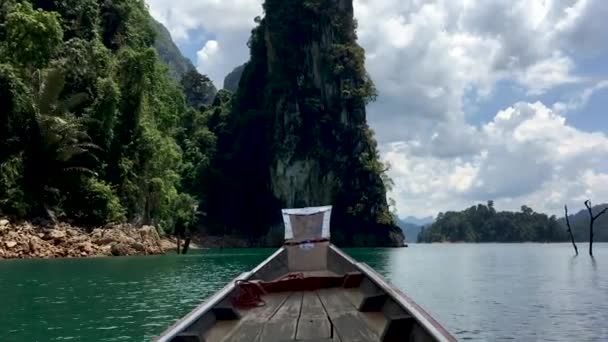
(410, 230)
(199, 90)
(419, 221)
(580, 224)
(169, 52)
(231, 82)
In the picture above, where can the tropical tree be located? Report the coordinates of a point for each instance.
(59, 146)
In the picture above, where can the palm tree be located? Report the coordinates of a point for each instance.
(59, 144)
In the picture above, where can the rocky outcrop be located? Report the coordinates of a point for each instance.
(169, 53)
(299, 125)
(62, 240)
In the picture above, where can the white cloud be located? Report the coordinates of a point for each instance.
(228, 22)
(433, 59)
(547, 74)
(184, 16)
(208, 51)
(582, 27)
(528, 155)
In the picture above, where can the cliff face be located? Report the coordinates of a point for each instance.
(299, 123)
(169, 52)
(231, 81)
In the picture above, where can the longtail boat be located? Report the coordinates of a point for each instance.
(308, 290)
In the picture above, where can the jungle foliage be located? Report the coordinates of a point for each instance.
(102, 120)
(93, 128)
(482, 223)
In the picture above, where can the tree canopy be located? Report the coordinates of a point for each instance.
(93, 128)
(482, 223)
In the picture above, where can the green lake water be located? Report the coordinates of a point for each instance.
(489, 292)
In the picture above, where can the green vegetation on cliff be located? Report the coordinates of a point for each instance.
(98, 126)
(92, 126)
(483, 223)
(297, 133)
(169, 53)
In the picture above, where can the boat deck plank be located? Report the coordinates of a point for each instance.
(324, 315)
(314, 322)
(283, 324)
(347, 322)
(252, 323)
(375, 320)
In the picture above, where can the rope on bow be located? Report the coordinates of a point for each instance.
(249, 294)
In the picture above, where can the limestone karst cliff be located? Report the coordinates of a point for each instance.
(297, 135)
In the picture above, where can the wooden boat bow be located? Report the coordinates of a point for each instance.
(309, 290)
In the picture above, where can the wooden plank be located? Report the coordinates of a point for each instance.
(290, 308)
(375, 320)
(252, 323)
(350, 327)
(284, 322)
(249, 330)
(312, 307)
(355, 296)
(283, 328)
(313, 323)
(313, 329)
(335, 301)
(347, 323)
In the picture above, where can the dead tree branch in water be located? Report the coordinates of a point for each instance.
(570, 230)
(592, 219)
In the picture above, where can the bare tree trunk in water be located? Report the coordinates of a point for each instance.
(186, 245)
(591, 222)
(179, 243)
(570, 230)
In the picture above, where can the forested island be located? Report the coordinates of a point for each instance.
(103, 122)
(482, 223)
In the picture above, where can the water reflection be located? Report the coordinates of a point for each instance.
(496, 292)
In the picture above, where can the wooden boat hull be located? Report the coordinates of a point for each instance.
(366, 309)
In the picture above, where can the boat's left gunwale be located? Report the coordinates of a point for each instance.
(211, 301)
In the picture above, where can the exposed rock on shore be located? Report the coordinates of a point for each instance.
(62, 240)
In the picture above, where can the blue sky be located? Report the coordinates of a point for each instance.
(482, 100)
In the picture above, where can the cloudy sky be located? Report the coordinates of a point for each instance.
(480, 100)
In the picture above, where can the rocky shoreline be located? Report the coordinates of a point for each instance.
(27, 241)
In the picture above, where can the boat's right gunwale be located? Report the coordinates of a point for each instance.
(424, 319)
